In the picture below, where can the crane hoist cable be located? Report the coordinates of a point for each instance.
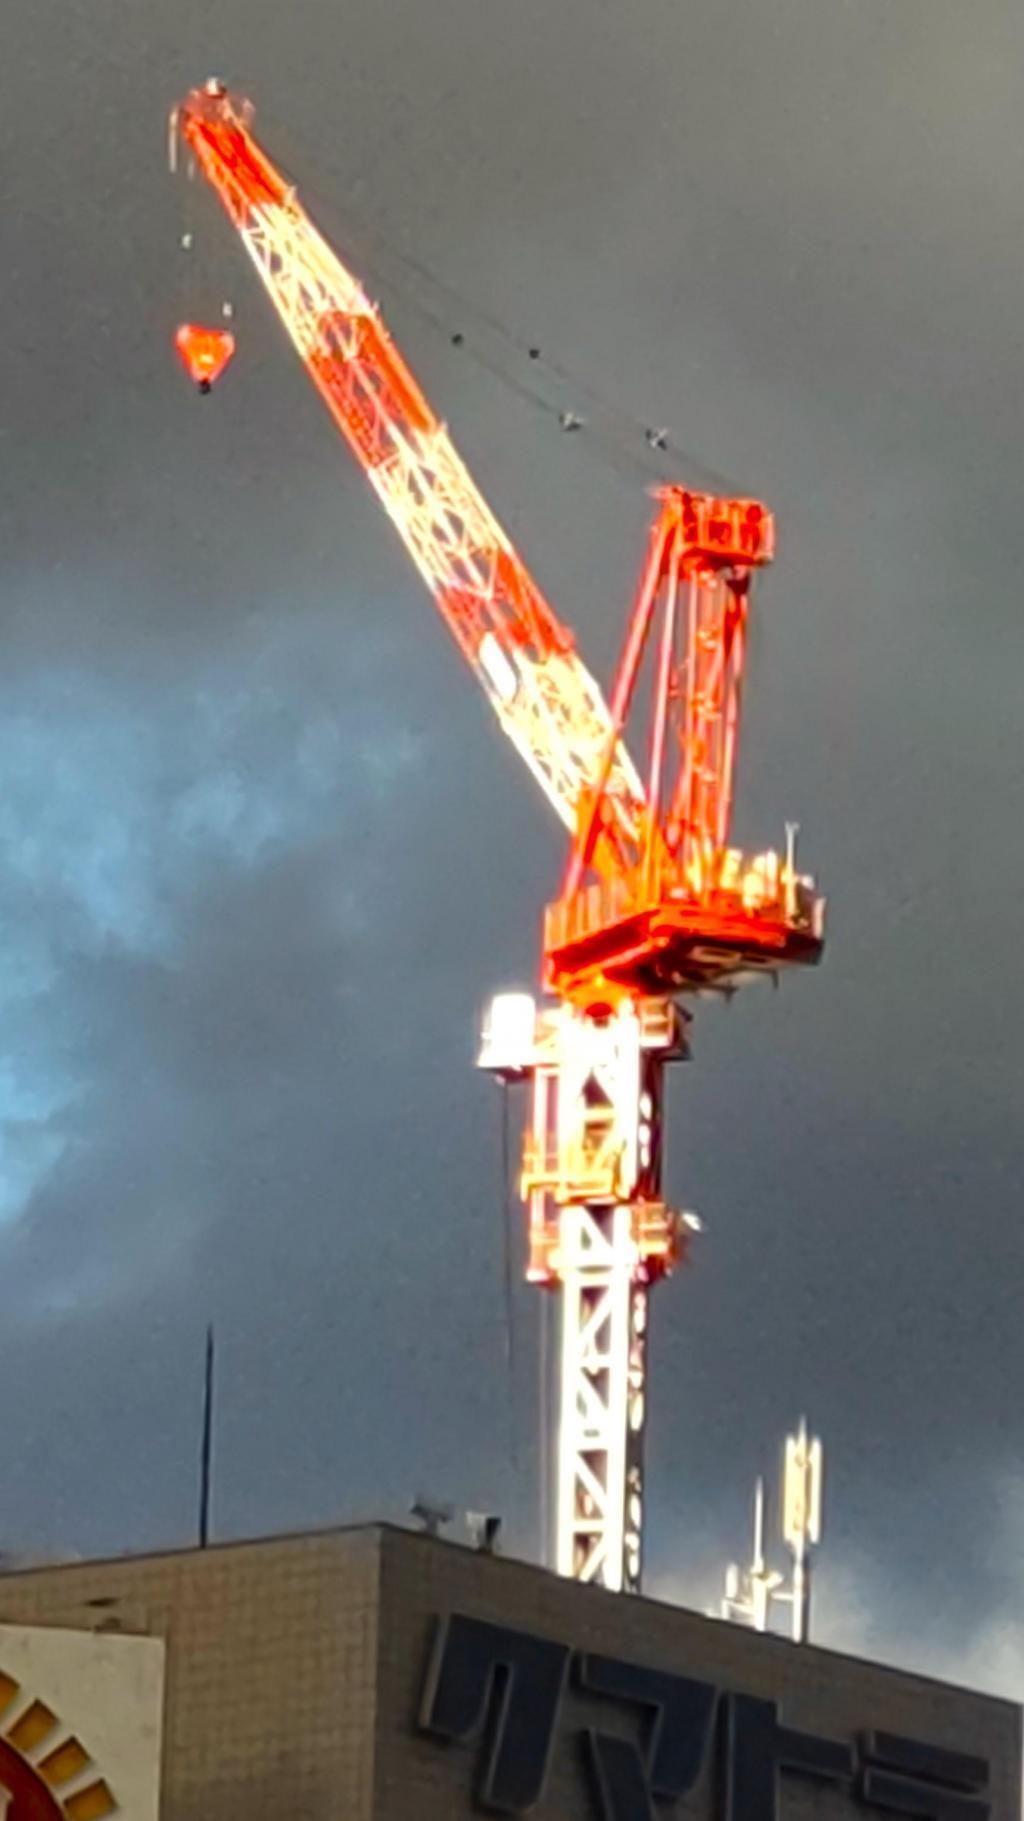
(508, 1238)
(626, 442)
(371, 242)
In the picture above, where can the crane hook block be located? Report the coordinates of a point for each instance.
(204, 353)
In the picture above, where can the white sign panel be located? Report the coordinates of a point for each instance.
(80, 1725)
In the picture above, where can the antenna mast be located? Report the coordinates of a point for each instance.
(748, 1596)
(206, 1447)
(750, 1593)
(801, 1520)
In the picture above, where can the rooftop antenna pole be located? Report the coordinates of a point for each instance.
(206, 1450)
(758, 1579)
(801, 1520)
(749, 1593)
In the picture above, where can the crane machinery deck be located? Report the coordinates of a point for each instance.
(655, 905)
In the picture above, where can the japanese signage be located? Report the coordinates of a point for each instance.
(502, 1692)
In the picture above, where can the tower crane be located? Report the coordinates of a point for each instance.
(655, 906)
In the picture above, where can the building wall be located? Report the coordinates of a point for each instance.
(820, 1692)
(270, 1673)
(296, 1672)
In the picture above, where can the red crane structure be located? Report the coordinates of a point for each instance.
(655, 906)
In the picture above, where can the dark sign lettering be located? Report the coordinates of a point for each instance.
(909, 1778)
(504, 1688)
(677, 1714)
(507, 1685)
(758, 1747)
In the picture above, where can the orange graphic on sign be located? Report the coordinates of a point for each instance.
(46, 1774)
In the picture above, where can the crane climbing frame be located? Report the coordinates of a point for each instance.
(655, 905)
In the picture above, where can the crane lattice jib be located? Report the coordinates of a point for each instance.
(544, 696)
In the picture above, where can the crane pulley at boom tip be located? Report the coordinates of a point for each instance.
(205, 351)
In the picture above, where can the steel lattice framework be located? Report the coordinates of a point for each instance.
(545, 698)
(654, 904)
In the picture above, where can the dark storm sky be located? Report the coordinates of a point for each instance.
(263, 854)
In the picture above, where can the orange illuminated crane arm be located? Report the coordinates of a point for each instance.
(545, 698)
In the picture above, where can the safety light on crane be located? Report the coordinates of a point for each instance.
(204, 353)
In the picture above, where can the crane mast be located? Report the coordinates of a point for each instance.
(654, 905)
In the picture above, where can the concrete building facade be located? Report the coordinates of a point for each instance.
(376, 1675)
